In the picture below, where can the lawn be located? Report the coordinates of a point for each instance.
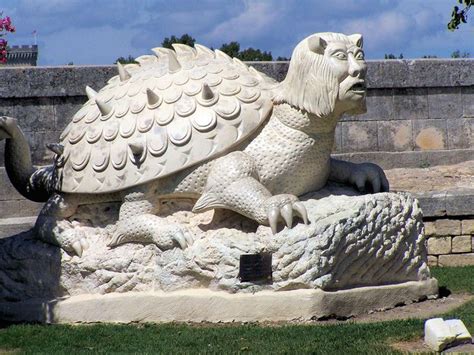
(180, 338)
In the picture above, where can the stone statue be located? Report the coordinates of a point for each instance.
(199, 124)
(147, 159)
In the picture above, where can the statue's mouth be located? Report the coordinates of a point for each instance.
(359, 87)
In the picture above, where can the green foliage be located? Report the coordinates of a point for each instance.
(429, 56)
(128, 60)
(458, 15)
(458, 54)
(249, 54)
(282, 59)
(346, 338)
(392, 56)
(184, 39)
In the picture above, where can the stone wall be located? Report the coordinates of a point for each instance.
(450, 242)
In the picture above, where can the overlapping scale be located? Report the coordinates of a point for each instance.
(100, 158)
(204, 119)
(118, 154)
(76, 134)
(248, 95)
(213, 80)
(186, 106)
(179, 131)
(111, 130)
(121, 91)
(173, 94)
(192, 88)
(80, 157)
(164, 114)
(157, 141)
(122, 108)
(145, 121)
(248, 80)
(80, 114)
(127, 126)
(138, 105)
(164, 82)
(93, 134)
(197, 73)
(230, 74)
(134, 88)
(229, 88)
(92, 115)
(181, 77)
(228, 108)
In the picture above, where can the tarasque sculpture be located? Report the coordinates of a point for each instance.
(192, 130)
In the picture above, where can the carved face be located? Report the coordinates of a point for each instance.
(326, 75)
(346, 61)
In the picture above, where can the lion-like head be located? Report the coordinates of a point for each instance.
(326, 74)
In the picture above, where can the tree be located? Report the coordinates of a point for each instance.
(250, 54)
(392, 56)
(428, 56)
(457, 54)
(458, 15)
(5, 27)
(232, 49)
(128, 60)
(184, 39)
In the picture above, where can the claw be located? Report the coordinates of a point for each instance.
(76, 246)
(179, 237)
(273, 219)
(115, 240)
(84, 244)
(301, 211)
(189, 239)
(287, 214)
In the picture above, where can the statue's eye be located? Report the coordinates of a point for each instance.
(359, 55)
(340, 55)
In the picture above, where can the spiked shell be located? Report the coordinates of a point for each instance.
(172, 110)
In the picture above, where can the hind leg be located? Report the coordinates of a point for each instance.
(233, 183)
(53, 227)
(138, 223)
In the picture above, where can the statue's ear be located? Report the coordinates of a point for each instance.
(316, 44)
(357, 39)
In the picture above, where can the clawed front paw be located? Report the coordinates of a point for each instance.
(74, 241)
(147, 229)
(368, 177)
(283, 207)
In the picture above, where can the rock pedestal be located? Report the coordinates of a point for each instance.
(359, 253)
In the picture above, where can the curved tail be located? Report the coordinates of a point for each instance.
(35, 184)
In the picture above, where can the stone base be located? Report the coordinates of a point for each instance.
(201, 305)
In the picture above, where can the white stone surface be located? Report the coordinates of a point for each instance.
(459, 329)
(201, 305)
(439, 333)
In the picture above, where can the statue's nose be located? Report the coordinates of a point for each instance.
(355, 67)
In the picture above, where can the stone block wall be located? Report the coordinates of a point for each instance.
(450, 242)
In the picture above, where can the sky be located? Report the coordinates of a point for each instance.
(97, 32)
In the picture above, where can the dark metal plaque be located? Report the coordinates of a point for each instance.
(255, 267)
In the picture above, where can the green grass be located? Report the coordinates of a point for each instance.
(344, 338)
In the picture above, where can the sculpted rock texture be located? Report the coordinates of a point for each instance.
(351, 241)
(195, 123)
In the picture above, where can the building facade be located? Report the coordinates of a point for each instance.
(24, 55)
